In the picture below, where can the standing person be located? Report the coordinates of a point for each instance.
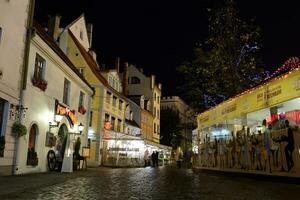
(274, 149)
(267, 148)
(178, 156)
(146, 157)
(153, 158)
(289, 148)
(156, 158)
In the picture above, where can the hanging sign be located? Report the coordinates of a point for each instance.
(63, 110)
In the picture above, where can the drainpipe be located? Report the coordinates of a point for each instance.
(29, 28)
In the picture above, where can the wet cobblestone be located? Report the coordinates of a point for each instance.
(149, 183)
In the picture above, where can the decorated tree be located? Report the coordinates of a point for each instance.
(226, 63)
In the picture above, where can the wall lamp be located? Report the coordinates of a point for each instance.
(57, 119)
(80, 127)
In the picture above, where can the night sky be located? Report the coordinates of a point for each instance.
(159, 35)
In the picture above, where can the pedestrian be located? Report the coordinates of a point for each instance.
(156, 158)
(289, 148)
(153, 158)
(146, 157)
(178, 157)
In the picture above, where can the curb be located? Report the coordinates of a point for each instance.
(249, 174)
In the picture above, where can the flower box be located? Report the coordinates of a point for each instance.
(42, 84)
(82, 110)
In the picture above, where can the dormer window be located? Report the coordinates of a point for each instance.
(81, 35)
(135, 80)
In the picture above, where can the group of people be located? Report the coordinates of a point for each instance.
(154, 158)
(244, 151)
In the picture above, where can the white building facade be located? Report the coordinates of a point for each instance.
(54, 88)
(13, 23)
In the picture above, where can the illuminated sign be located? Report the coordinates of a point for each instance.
(63, 110)
(107, 125)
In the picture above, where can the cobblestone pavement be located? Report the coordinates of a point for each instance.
(142, 183)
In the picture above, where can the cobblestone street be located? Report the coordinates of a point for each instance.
(141, 183)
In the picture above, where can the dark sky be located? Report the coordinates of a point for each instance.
(159, 35)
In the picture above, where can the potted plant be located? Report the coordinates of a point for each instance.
(82, 110)
(2, 145)
(32, 158)
(18, 129)
(40, 83)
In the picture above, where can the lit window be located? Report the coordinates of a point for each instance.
(135, 80)
(66, 95)
(39, 68)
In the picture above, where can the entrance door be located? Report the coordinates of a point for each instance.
(61, 142)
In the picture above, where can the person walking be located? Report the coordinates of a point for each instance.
(289, 148)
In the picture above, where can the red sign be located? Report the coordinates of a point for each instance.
(63, 110)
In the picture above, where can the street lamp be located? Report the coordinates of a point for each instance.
(80, 127)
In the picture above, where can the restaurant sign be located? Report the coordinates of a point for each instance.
(65, 111)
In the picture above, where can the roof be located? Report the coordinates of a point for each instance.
(92, 64)
(132, 123)
(52, 44)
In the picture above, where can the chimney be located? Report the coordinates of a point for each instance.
(152, 81)
(53, 26)
(125, 79)
(89, 28)
(117, 64)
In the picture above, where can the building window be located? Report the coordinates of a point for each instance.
(154, 128)
(119, 125)
(81, 35)
(135, 80)
(106, 117)
(154, 97)
(66, 95)
(113, 123)
(81, 71)
(154, 112)
(31, 155)
(110, 82)
(108, 96)
(81, 101)
(157, 113)
(3, 117)
(120, 104)
(0, 34)
(91, 119)
(39, 69)
(157, 99)
(114, 101)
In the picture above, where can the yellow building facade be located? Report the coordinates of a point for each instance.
(108, 104)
